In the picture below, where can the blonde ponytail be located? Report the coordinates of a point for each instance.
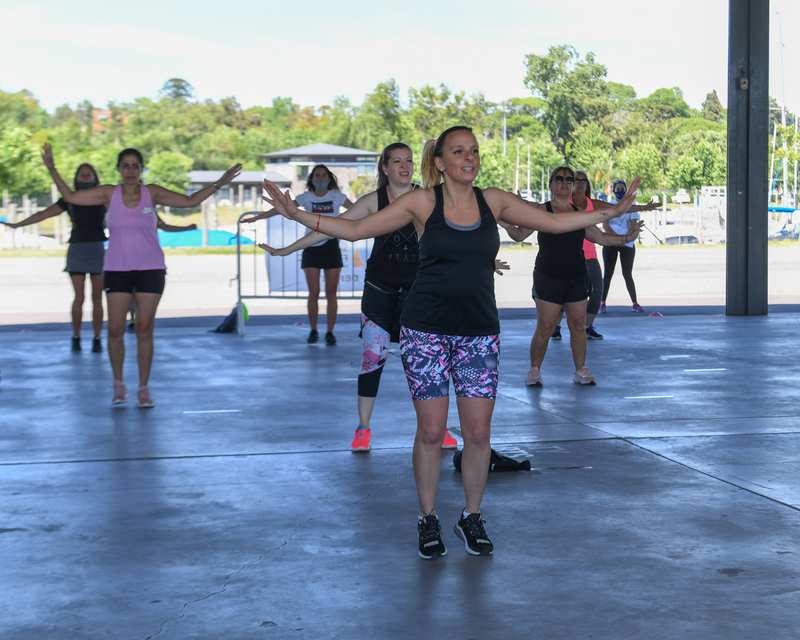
(431, 176)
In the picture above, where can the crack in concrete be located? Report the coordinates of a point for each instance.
(222, 589)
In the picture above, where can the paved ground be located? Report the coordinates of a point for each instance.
(664, 503)
(36, 290)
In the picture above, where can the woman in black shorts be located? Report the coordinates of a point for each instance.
(85, 253)
(450, 327)
(134, 266)
(322, 196)
(560, 280)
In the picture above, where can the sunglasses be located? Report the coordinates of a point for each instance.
(567, 179)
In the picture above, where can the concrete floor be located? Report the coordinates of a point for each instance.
(673, 516)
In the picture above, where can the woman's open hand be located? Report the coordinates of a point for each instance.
(500, 266)
(47, 156)
(280, 201)
(273, 251)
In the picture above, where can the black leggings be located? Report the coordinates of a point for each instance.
(595, 285)
(627, 255)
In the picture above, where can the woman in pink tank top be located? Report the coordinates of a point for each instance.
(134, 267)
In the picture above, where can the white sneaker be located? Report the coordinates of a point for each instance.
(584, 377)
(534, 378)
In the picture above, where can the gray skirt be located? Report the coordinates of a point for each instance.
(85, 257)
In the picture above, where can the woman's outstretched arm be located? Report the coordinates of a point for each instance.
(510, 209)
(397, 215)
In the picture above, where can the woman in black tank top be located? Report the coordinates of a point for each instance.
(391, 269)
(560, 280)
(85, 253)
(453, 292)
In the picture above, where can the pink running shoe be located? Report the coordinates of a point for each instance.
(362, 440)
(637, 308)
(449, 442)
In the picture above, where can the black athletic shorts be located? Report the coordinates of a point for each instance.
(325, 256)
(559, 290)
(383, 305)
(149, 281)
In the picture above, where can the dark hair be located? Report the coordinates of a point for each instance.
(588, 183)
(386, 155)
(333, 185)
(130, 151)
(431, 176)
(562, 168)
(78, 170)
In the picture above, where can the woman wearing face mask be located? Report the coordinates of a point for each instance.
(560, 280)
(323, 197)
(627, 252)
(391, 269)
(134, 266)
(85, 252)
(449, 320)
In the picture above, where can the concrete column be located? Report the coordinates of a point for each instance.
(748, 143)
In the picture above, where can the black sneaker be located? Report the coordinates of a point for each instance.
(313, 337)
(557, 333)
(591, 334)
(76, 345)
(97, 346)
(330, 339)
(473, 534)
(431, 544)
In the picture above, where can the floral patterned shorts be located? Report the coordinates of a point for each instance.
(431, 359)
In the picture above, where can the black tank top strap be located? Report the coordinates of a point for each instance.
(439, 195)
(483, 206)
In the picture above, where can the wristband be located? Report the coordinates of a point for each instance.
(319, 217)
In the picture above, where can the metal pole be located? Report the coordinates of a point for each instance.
(239, 310)
(746, 290)
(772, 161)
(505, 131)
(529, 170)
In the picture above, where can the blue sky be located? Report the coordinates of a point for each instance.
(64, 52)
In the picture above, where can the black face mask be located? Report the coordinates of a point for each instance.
(85, 185)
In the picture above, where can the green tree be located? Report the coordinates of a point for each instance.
(664, 104)
(622, 96)
(591, 151)
(712, 107)
(497, 170)
(177, 89)
(21, 109)
(379, 121)
(574, 90)
(645, 160)
(700, 160)
(169, 169)
(21, 169)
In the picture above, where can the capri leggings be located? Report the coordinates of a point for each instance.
(595, 274)
(627, 255)
(375, 346)
(431, 359)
